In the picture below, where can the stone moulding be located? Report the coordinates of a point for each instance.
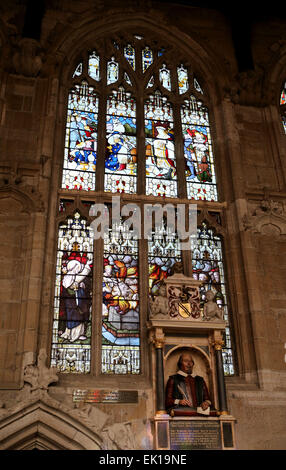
(267, 218)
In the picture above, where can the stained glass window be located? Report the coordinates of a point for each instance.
(165, 77)
(71, 345)
(147, 113)
(147, 58)
(208, 266)
(81, 139)
(121, 160)
(163, 252)
(198, 86)
(129, 54)
(161, 175)
(183, 81)
(93, 66)
(112, 71)
(78, 71)
(283, 106)
(200, 171)
(120, 308)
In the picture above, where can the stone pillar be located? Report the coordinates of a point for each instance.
(220, 377)
(159, 341)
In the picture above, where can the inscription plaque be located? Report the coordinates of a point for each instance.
(105, 396)
(195, 435)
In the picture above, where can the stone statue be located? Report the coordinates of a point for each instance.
(159, 306)
(211, 308)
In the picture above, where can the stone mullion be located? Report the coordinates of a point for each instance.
(143, 294)
(141, 158)
(101, 132)
(96, 343)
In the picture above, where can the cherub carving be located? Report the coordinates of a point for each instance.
(159, 306)
(211, 309)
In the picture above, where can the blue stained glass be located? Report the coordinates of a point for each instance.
(120, 310)
(81, 139)
(200, 171)
(147, 58)
(129, 54)
(121, 151)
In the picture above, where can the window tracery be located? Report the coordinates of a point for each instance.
(157, 143)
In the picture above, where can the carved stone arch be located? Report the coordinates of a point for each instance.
(42, 425)
(210, 220)
(27, 198)
(275, 74)
(65, 50)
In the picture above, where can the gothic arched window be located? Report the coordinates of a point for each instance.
(137, 127)
(283, 106)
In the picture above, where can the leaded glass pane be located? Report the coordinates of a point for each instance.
(129, 54)
(161, 175)
(78, 71)
(150, 84)
(197, 86)
(112, 71)
(183, 81)
(207, 261)
(73, 297)
(283, 95)
(127, 79)
(81, 139)
(120, 308)
(93, 66)
(147, 58)
(163, 252)
(200, 171)
(165, 77)
(121, 153)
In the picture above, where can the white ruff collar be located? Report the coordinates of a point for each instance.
(184, 373)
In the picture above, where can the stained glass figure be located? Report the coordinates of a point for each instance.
(121, 153)
(127, 79)
(120, 308)
(163, 252)
(112, 71)
(93, 66)
(200, 171)
(161, 175)
(283, 95)
(207, 261)
(73, 297)
(81, 139)
(147, 58)
(183, 81)
(151, 82)
(78, 71)
(165, 77)
(197, 86)
(129, 54)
